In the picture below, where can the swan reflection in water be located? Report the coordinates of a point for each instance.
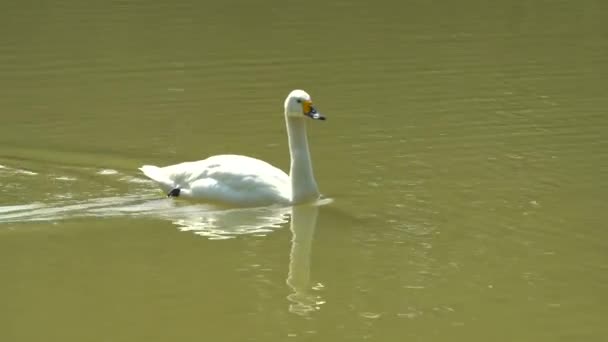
(304, 298)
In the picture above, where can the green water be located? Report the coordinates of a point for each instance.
(463, 162)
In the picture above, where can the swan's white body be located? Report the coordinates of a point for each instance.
(230, 179)
(244, 181)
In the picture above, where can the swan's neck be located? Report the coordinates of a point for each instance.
(303, 184)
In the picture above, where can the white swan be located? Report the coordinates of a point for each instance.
(244, 181)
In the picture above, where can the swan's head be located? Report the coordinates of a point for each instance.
(299, 105)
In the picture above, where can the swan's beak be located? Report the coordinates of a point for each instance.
(311, 112)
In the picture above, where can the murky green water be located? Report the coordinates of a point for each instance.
(464, 161)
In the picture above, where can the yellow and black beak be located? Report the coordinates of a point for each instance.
(310, 111)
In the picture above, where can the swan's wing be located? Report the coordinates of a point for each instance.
(225, 178)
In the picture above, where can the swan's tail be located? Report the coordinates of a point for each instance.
(156, 174)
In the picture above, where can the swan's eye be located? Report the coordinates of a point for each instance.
(299, 101)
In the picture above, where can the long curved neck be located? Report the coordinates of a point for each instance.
(303, 184)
